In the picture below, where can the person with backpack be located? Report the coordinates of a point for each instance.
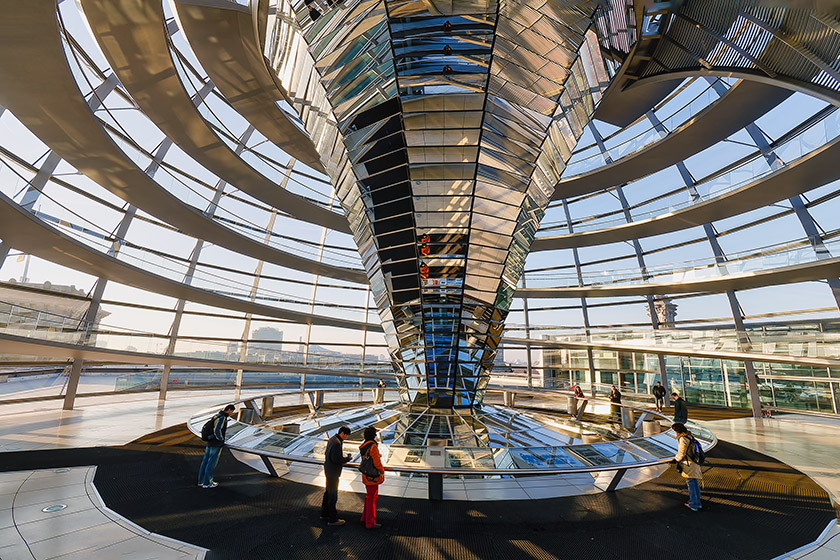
(659, 394)
(334, 460)
(689, 457)
(213, 432)
(373, 473)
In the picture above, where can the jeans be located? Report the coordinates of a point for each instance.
(208, 465)
(369, 511)
(330, 499)
(660, 403)
(693, 493)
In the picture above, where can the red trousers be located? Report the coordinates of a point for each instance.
(369, 512)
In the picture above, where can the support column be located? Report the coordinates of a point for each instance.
(312, 301)
(196, 252)
(528, 370)
(720, 259)
(73, 384)
(89, 320)
(637, 246)
(164, 384)
(252, 296)
(584, 310)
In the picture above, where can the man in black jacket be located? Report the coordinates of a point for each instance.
(680, 409)
(334, 460)
(659, 394)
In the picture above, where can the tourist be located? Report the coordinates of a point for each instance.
(369, 447)
(615, 399)
(680, 408)
(659, 394)
(215, 441)
(334, 460)
(690, 471)
(578, 392)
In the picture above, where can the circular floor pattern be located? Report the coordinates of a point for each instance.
(755, 508)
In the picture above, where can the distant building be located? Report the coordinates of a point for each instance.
(266, 345)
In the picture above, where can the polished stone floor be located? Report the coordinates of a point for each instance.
(57, 513)
(809, 444)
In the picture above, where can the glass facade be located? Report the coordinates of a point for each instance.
(479, 213)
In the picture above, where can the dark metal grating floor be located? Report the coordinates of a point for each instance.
(755, 508)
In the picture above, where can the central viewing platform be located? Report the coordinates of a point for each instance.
(564, 447)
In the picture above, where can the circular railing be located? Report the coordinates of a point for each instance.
(634, 451)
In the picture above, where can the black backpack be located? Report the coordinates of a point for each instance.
(366, 466)
(207, 429)
(695, 452)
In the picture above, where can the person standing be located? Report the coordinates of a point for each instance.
(680, 408)
(690, 471)
(369, 447)
(334, 460)
(214, 448)
(615, 399)
(659, 394)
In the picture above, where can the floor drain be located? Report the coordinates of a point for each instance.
(56, 507)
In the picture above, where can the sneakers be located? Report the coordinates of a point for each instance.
(691, 508)
(374, 526)
(211, 485)
(337, 523)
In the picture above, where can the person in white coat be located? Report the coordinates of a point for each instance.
(691, 471)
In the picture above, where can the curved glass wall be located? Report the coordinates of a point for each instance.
(257, 285)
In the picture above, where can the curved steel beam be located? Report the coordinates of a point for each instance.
(46, 99)
(814, 90)
(807, 272)
(134, 39)
(22, 230)
(223, 37)
(808, 172)
(742, 104)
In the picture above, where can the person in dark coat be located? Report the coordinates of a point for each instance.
(659, 394)
(334, 460)
(214, 448)
(615, 398)
(680, 409)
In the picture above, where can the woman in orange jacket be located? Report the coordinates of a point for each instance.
(369, 447)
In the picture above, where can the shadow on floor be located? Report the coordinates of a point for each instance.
(755, 508)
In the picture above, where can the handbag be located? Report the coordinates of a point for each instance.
(366, 466)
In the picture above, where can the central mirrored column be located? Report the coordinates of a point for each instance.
(456, 121)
